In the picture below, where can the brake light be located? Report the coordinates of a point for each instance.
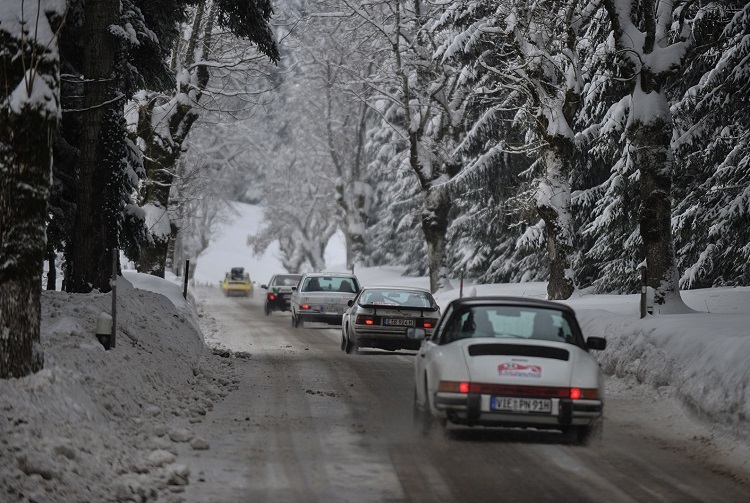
(271, 296)
(454, 386)
(427, 324)
(305, 306)
(367, 320)
(575, 393)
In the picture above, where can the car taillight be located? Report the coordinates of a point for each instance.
(366, 320)
(575, 393)
(454, 386)
(271, 296)
(427, 324)
(305, 306)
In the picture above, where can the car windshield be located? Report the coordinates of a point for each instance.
(397, 298)
(286, 280)
(330, 284)
(511, 322)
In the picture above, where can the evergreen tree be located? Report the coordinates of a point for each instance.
(29, 114)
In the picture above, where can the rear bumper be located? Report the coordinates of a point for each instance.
(474, 409)
(385, 338)
(331, 319)
(279, 303)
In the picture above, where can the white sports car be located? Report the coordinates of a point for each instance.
(509, 361)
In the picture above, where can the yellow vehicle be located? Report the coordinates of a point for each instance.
(237, 281)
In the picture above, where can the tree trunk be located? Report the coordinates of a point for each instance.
(89, 246)
(51, 268)
(651, 152)
(553, 205)
(26, 130)
(435, 209)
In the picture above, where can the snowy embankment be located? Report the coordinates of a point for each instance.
(98, 425)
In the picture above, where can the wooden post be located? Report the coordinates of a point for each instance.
(187, 275)
(644, 290)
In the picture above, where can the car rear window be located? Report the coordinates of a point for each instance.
(512, 322)
(286, 280)
(399, 298)
(330, 284)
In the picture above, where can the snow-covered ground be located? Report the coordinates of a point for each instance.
(99, 425)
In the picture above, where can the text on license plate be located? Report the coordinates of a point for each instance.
(329, 309)
(514, 404)
(399, 322)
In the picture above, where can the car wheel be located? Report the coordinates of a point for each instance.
(296, 321)
(423, 419)
(351, 347)
(582, 435)
(265, 309)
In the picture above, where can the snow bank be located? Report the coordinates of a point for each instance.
(99, 425)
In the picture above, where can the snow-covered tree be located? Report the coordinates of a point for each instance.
(29, 114)
(529, 57)
(712, 149)
(208, 66)
(652, 39)
(420, 98)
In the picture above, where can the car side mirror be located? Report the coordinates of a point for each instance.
(416, 334)
(350, 303)
(294, 288)
(598, 343)
(264, 287)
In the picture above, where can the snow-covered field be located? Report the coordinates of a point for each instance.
(99, 425)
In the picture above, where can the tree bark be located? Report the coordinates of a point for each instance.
(89, 245)
(435, 209)
(26, 131)
(553, 205)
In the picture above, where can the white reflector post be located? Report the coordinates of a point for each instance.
(104, 329)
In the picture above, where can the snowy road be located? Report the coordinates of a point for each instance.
(310, 423)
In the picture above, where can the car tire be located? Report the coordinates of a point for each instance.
(351, 347)
(296, 321)
(266, 309)
(582, 435)
(423, 420)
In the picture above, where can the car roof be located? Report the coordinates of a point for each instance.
(510, 301)
(405, 288)
(321, 274)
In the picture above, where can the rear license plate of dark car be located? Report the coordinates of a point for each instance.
(398, 322)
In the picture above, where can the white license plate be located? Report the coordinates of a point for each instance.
(329, 309)
(514, 404)
(399, 322)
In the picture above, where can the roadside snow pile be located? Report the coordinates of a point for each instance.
(702, 357)
(98, 425)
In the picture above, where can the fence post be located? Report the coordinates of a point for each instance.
(187, 275)
(461, 284)
(644, 290)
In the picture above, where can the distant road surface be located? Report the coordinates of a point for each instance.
(309, 423)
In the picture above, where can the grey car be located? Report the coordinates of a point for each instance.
(380, 315)
(322, 297)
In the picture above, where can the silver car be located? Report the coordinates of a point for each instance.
(322, 297)
(380, 316)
